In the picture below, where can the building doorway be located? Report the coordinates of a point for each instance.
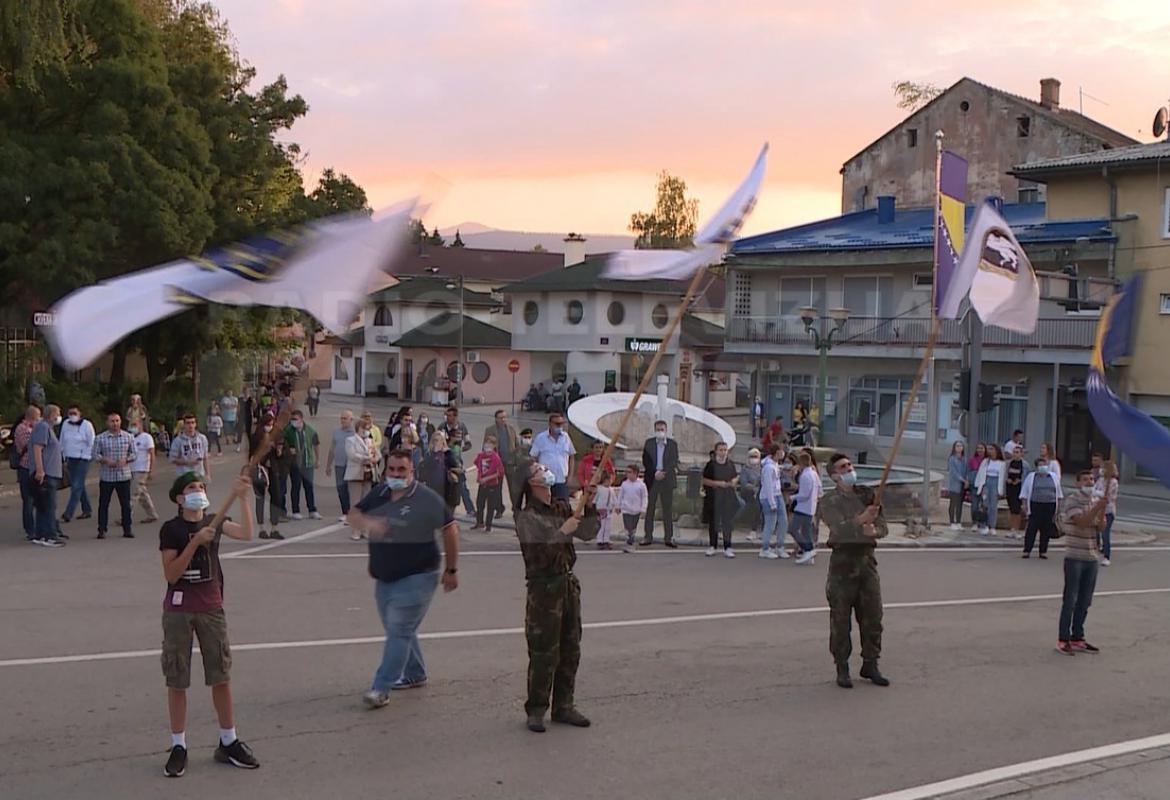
(1078, 436)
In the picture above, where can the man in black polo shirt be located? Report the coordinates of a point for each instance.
(402, 516)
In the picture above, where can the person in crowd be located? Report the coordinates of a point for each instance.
(439, 470)
(546, 527)
(409, 440)
(1107, 486)
(248, 415)
(660, 465)
(113, 449)
(605, 500)
(748, 491)
(1049, 455)
(771, 502)
(303, 448)
(266, 403)
(816, 476)
(592, 461)
(137, 413)
(451, 423)
(574, 392)
(215, 428)
(335, 460)
(23, 456)
(508, 446)
(956, 484)
(189, 450)
(973, 464)
(1040, 495)
(392, 434)
(425, 429)
(853, 587)
(229, 406)
(1013, 444)
(804, 508)
(1096, 462)
(402, 516)
(277, 466)
(1082, 517)
(489, 471)
(632, 500)
(367, 419)
(193, 609)
(141, 470)
(775, 433)
(990, 485)
(455, 443)
(1017, 470)
(77, 435)
(759, 418)
(361, 465)
(719, 479)
(554, 449)
(47, 472)
(313, 399)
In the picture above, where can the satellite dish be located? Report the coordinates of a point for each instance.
(1160, 122)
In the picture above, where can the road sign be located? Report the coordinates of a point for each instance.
(513, 366)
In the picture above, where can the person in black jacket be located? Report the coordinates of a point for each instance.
(660, 462)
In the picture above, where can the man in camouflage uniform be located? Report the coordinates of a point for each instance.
(546, 528)
(853, 586)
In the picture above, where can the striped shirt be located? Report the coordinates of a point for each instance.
(1080, 541)
(118, 447)
(21, 440)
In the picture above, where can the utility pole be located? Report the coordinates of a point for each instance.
(974, 352)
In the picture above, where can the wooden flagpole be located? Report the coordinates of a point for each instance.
(934, 327)
(650, 371)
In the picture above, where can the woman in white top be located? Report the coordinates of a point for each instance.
(361, 465)
(1049, 455)
(991, 484)
(1107, 486)
(808, 494)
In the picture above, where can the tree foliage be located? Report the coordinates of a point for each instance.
(671, 225)
(436, 238)
(912, 95)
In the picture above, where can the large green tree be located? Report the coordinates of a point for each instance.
(671, 225)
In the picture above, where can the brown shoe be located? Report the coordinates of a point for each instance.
(571, 716)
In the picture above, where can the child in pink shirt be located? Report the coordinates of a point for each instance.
(489, 470)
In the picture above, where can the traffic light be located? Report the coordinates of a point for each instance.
(962, 381)
(988, 397)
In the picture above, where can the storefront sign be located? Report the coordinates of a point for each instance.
(634, 345)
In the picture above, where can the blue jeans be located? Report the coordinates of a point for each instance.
(465, 493)
(78, 469)
(342, 489)
(991, 502)
(1106, 536)
(402, 604)
(46, 507)
(802, 530)
(27, 507)
(1080, 579)
(775, 522)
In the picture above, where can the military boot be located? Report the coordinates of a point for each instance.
(571, 716)
(843, 679)
(870, 670)
(536, 723)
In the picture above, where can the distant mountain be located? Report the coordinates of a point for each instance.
(491, 239)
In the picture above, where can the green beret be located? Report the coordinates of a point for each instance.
(182, 482)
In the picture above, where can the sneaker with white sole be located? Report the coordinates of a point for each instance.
(297, 515)
(177, 762)
(237, 754)
(956, 526)
(1104, 562)
(341, 519)
(356, 536)
(729, 553)
(781, 553)
(375, 698)
(711, 551)
(768, 554)
(314, 515)
(806, 557)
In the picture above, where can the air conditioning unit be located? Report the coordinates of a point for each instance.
(472, 356)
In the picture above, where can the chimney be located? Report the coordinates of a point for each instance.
(885, 208)
(1050, 93)
(574, 249)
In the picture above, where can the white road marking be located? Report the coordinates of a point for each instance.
(998, 774)
(476, 633)
(282, 542)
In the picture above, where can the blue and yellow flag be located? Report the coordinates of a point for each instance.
(1132, 431)
(950, 220)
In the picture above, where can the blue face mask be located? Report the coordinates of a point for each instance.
(848, 478)
(397, 484)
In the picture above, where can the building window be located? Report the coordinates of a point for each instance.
(911, 137)
(1164, 304)
(659, 316)
(382, 316)
(481, 372)
(392, 367)
(1028, 194)
(574, 312)
(869, 296)
(923, 280)
(795, 293)
(1023, 127)
(1166, 216)
(964, 106)
(616, 313)
(742, 306)
(531, 312)
(339, 371)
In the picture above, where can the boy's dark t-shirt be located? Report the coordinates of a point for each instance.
(200, 589)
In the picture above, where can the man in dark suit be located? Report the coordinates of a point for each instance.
(660, 463)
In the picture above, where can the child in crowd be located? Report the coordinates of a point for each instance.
(214, 429)
(632, 500)
(489, 469)
(604, 501)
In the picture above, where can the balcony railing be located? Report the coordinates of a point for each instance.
(1074, 333)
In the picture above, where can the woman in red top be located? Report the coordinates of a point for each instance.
(590, 462)
(489, 470)
(775, 434)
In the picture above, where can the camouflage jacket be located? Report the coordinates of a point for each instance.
(548, 552)
(839, 509)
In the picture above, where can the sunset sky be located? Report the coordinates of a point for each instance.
(557, 115)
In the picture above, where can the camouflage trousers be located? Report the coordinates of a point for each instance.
(854, 588)
(552, 625)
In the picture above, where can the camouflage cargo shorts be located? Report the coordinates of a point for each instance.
(180, 629)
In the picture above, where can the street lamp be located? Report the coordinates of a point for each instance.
(456, 282)
(823, 344)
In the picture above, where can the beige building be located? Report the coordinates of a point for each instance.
(1131, 187)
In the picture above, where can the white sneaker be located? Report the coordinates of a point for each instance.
(782, 553)
(956, 526)
(356, 536)
(729, 553)
(1104, 562)
(711, 551)
(341, 519)
(984, 532)
(314, 515)
(297, 515)
(768, 554)
(806, 557)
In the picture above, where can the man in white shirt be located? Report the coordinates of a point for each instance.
(1013, 444)
(554, 449)
(77, 437)
(141, 470)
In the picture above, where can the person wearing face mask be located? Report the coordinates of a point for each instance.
(304, 451)
(719, 480)
(361, 466)
(770, 498)
(853, 586)
(660, 465)
(1082, 516)
(554, 449)
(1040, 495)
(193, 609)
(267, 479)
(77, 435)
(546, 527)
(140, 472)
(439, 470)
(47, 471)
(508, 446)
(489, 471)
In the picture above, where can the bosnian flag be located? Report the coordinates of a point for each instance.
(711, 241)
(950, 219)
(324, 268)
